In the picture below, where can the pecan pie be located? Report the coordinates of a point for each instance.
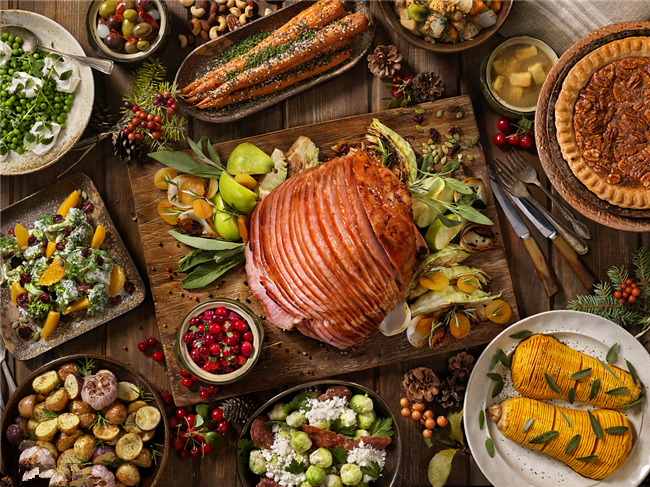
(602, 118)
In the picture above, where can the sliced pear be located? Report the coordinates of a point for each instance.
(236, 195)
(438, 236)
(224, 223)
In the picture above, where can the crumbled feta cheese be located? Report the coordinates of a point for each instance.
(329, 410)
(277, 458)
(364, 455)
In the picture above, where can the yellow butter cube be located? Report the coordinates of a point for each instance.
(538, 73)
(497, 84)
(516, 92)
(499, 65)
(526, 52)
(520, 79)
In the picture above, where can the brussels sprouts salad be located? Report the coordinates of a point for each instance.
(333, 439)
(59, 266)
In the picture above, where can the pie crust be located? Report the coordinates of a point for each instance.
(602, 118)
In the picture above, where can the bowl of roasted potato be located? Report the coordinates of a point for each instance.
(85, 420)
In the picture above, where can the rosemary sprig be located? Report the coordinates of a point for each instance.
(49, 414)
(145, 396)
(86, 365)
(156, 453)
(100, 422)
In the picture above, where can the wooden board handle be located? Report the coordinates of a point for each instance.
(581, 270)
(550, 286)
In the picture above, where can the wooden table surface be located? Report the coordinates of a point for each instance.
(355, 92)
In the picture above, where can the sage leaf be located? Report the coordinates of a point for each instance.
(481, 419)
(544, 437)
(456, 431)
(495, 377)
(503, 358)
(182, 162)
(590, 458)
(611, 353)
(554, 387)
(581, 374)
(459, 186)
(472, 214)
(632, 370)
(616, 430)
(634, 403)
(489, 446)
(527, 425)
(199, 258)
(595, 387)
(210, 272)
(426, 162)
(206, 243)
(521, 334)
(449, 167)
(498, 387)
(493, 362)
(617, 391)
(607, 368)
(573, 444)
(440, 467)
(572, 395)
(566, 419)
(448, 222)
(595, 426)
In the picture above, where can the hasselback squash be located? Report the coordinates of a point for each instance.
(592, 457)
(540, 356)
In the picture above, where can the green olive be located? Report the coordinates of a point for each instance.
(142, 45)
(129, 5)
(107, 8)
(130, 48)
(127, 27)
(142, 30)
(130, 14)
(419, 13)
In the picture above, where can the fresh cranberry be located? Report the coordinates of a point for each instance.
(142, 346)
(21, 300)
(513, 139)
(225, 352)
(188, 338)
(8, 255)
(178, 444)
(503, 124)
(24, 331)
(183, 454)
(209, 339)
(207, 449)
(209, 314)
(60, 246)
(395, 92)
(167, 398)
(213, 390)
(221, 311)
(214, 328)
(129, 287)
(223, 427)
(85, 252)
(11, 232)
(234, 349)
(217, 414)
(172, 421)
(241, 326)
(204, 394)
(115, 301)
(86, 286)
(157, 356)
(151, 341)
(87, 207)
(25, 278)
(215, 348)
(187, 382)
(31, 241)
(241, 359)
(499, 139)
(195, 355)
(246, 348)
(195, 452)
(228, 326)
(197, 342)
(395, 79)
(44, 297)
(201, 328)
(189, 420)
(180, 413)
(204, 351)
(229, 369)
(234, 339)
(221, 336)
(224, 361)
(195, 321)
(185, 373)
(195, 379)
(57, 218)
(210, 366)
(219, 320)
(248, 336)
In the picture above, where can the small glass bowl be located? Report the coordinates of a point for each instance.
(182, 353)
(495, 102)
(97, 43)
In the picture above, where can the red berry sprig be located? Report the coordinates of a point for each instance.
(144, 121)
(192, 434)
(628, 293)
(523, 135)
(400, 89)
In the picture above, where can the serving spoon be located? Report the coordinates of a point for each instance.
(30, 44)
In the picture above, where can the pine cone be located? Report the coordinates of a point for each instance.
(451, 392)
(385, 61)
(427, 87)
(238, 409)
(461, 365)
(421, 384)
(123, 147)
(101, 118)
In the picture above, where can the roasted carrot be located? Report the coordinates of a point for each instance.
(477, 6)
(280, 82)
(453, 33)
(244, 224)
(315, 17)
(495, 6)
(332, 37)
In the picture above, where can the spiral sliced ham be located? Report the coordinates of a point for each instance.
(332, 249)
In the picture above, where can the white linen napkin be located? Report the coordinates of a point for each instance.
(561, 23)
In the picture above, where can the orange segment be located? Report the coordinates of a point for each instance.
(202, 208)
(16, 289)
(247, 181)
(50, 323)
(436, 281)
(459, 325)
(498, 311)
(70, 202)
(118, 278)
(167, 211)
(191, 189)
(51, 248)
(468, 284)
(22, 236)
(162, 176)
(82, 303)
(98, 238)
(54, 272)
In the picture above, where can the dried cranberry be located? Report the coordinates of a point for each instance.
(116, 301)
(418, 118)
(38, 256)
(25, 278)
(44, 244)
(45, 298)
(85, 252)
(87, 207)
(21, 300)
(68, 230)
(57, 218)
(11, 232)
(24, 332)
(344, 149)
(60, 246)
(454, 130)
(453, 150)
(100, 260)
(31, 241)
(8, 255)
(129, 287)
(84, 287)
(434, 134)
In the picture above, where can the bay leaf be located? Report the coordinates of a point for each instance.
(206, 243)
(489, 446)
(440, 467)
(520, 335)
(455, 418)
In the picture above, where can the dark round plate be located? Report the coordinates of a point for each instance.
(556, 168)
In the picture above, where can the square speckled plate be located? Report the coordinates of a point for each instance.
(26, 212)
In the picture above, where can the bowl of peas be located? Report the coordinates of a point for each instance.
(46, 99)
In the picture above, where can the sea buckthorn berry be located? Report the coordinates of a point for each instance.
(442, 421)
(406, 412)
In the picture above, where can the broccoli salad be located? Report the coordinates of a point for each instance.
(333, 439)
(58, 266)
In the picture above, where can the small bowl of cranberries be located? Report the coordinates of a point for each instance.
(219, 341)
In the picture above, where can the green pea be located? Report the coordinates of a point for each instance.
(43, 106)
(57, 106)
(15, 52)
(23, 101)
(13, 146)
(71, 96)
(11, 39)
(36, 55)
(5, 36)
(11, 71)
(57, 99)
(14, 140)
(68, 101)
(60, 119)
(142, 45)
(20, 150)
(62, 126)
(66, 108)
(18, 40)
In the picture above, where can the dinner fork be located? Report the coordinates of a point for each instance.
(516, 188)
(527, 174)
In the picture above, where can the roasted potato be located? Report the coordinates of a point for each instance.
(106, 432)
(32, 424)
(129, 447)
(147, 435)
(41, 398)
(47, 429)
(66, 441)
(26, 406)
(128, 474)
(130, 426)
(67, 458)
(147, 418)
(66, 369)
(68, 424)
(116, 413)
(73, 386)
(84, 447)
(49, 447)
(86, 420)
(135, 405)
(114, 442)
(46, 383)
(106, 371)
(57, 401)
(127, 392)
(80, 407)
(39, 413)
(143, 459)
(104, 455)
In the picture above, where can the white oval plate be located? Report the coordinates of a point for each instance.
(516, 465)
(48, 31)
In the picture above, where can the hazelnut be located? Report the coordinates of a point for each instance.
(223, 8)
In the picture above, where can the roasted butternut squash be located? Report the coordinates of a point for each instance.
(592, 457)
(542, 355)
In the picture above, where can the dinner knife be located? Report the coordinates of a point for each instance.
(520, 228)
(546, 229)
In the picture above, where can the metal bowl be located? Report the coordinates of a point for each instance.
(394, 450)
(10, 453)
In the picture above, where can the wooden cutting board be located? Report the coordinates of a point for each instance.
(289, 358)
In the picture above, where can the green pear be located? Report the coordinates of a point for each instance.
(236, 195)
(438, 236)
(247, 158)
(224, 223)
